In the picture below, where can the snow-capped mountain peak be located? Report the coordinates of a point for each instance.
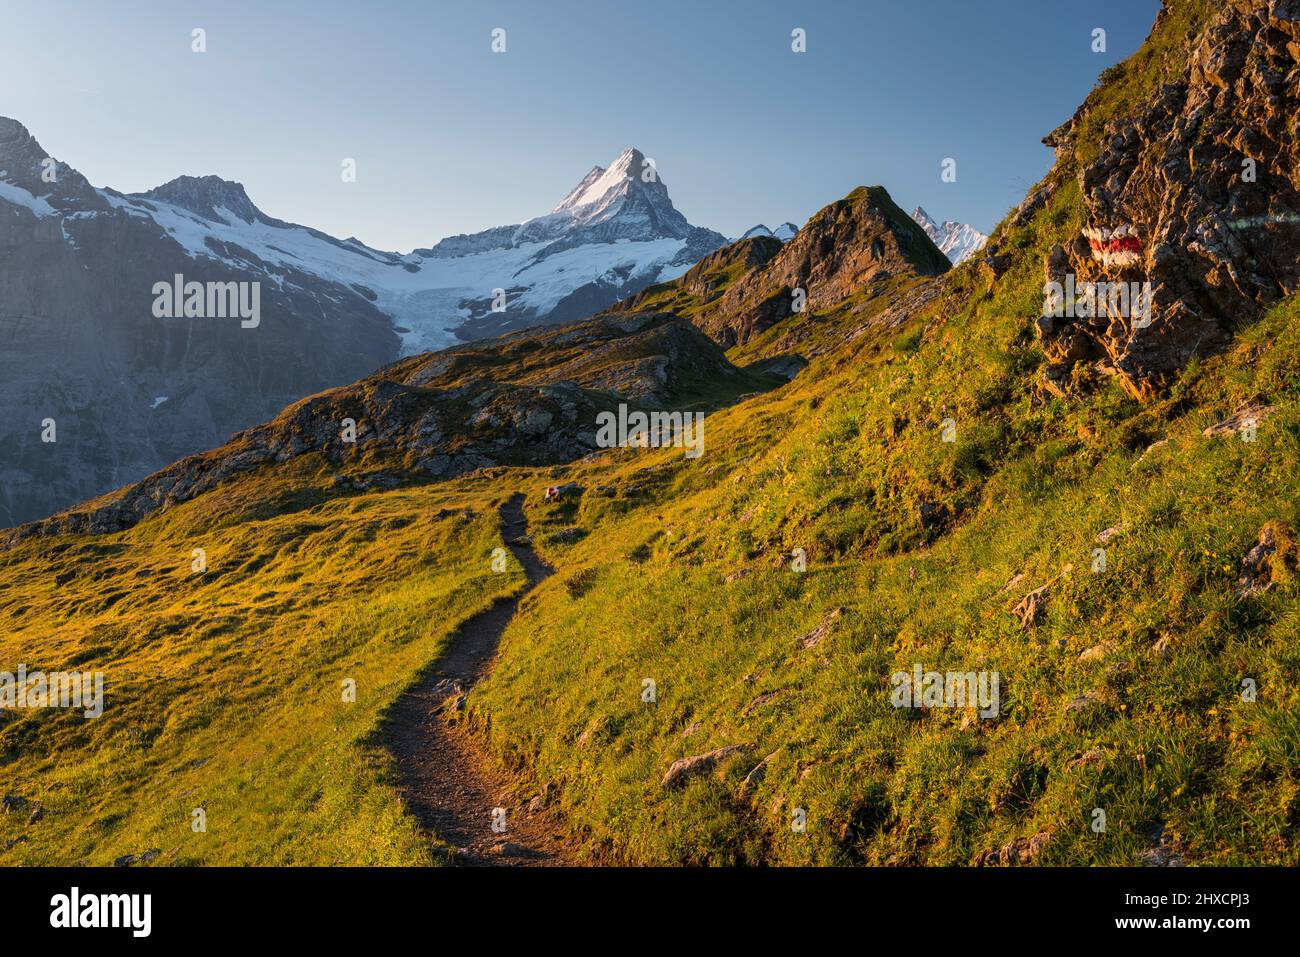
(628, 195)
(25, 178)
(957, 241)
(596, 186)
(785, 232)
(924, 219)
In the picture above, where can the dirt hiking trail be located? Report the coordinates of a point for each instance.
(448, 781)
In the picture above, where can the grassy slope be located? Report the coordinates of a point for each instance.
(223, 690)
(836, 463)
(644, 596)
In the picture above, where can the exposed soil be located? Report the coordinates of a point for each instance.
(449, 783)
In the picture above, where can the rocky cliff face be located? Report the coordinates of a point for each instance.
(852, 242)
(1197, 193)
(125, 391)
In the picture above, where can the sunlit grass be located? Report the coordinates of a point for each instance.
(224, 690)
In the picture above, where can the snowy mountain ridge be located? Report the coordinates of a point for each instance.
(616, 232)
(785, 232)
(957, 241)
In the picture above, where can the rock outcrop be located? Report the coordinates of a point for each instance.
(1196, 192)
(652, 358)
(746, 288)
(376, 432)
(683, 769)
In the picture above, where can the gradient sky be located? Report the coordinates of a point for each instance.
(452, 138)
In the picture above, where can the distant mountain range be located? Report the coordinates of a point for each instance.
(783, 232)
(128, 391)
(531, 397)
(957, 241)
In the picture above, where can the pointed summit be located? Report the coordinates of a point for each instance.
(626, 200)
(43, 184)
(955, 240)
(629, 165)
(209, 196)
(14, 138)
(21, 158)
(604, 191)
(854, 242)
(924, 219)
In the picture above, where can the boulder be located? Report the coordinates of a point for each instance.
(1022, 850)
(1097, 652)
(683, 769)
(1256, 574)
(813, 638)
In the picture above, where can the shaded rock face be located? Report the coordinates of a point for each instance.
(652, 359)
(697, 295)
(1198, 192)
(413, 431)
(128, 392)
(706, 278)
(845, 246)
(207, 196)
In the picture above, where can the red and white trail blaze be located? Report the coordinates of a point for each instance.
(1114, 247)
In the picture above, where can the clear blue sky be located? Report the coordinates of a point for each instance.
(451, 138)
